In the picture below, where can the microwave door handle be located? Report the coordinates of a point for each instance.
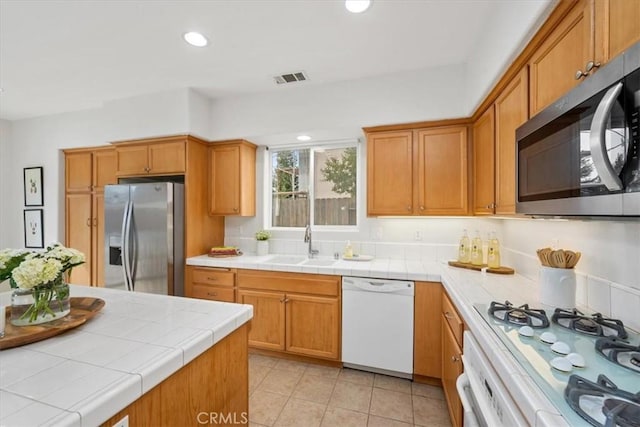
(597, 140)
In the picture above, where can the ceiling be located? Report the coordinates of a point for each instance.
(58, 56)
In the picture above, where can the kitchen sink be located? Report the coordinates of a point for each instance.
(319, 262)
(285, 259)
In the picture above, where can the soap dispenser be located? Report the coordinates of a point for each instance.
(348, 250)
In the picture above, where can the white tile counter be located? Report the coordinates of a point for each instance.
(88, 374)
(465, 287)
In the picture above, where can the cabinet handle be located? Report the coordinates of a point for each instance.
(95, 222)
(88, 222)
(580, 74)
(285, 300)
(235, 209)
(213, 279)
(448, 315)
(409, 208)
(455, 359)
(421, 208)
(212, 294)
(591, 65)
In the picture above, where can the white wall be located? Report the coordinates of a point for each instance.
(5, 142)
(429, 94)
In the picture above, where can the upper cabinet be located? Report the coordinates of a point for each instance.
(566, 52)
(483, 137)
(89, 169)
(232, 178)
(421, 171)
(590, 34)
(160, 156)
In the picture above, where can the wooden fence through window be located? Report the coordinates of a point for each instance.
(295, 212)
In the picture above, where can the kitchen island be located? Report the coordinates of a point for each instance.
(158, 360)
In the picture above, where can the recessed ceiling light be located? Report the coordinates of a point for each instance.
(195, 39)
(303, 138)
(357, 6)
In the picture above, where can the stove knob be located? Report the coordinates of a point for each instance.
(561, 348)
(548, 337)
(576, 360)
(561, 364)
(526, 331)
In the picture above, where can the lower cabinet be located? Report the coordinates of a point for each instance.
(451, 359)
(427, 341)
(216, 284)
(293, 312)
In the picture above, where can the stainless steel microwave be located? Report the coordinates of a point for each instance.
(581, 155)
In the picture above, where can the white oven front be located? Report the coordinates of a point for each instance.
(484, 397)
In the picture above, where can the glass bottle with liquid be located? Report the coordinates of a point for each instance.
(493, 251)
(464, 248)
(476, 249)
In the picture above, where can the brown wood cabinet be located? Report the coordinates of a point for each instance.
(427, 341)
(159, 156)
(567, 50)
(483, 163)
(87, 171)
(422, 171)
(217, 284)
(293, 312)
(452, 329)
(616, 28)
(232, 178)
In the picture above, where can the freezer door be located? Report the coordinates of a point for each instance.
(116, 200)
(151, 242)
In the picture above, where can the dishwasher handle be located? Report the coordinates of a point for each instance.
(376, 285)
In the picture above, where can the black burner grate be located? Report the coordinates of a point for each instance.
(619, 352)
(518, 316)
(602, 403)
(594, 325)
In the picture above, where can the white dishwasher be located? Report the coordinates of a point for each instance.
(377, 325)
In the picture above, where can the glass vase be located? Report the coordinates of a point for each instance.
(41, 304)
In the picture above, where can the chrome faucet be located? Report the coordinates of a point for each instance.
(307, 239)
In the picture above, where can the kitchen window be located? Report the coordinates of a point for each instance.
(314, 185)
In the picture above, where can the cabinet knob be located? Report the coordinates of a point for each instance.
(448, 315)
(591, 65)
(213, 279)
(409, 207)
(283, 300)
(212, 294)
(580, 74)
(235, 209)
(455, 359)
(421, 208)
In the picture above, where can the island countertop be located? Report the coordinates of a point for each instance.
(88, 374)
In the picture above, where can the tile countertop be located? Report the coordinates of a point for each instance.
(88, 374)
(465, 287)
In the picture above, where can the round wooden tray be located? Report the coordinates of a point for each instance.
(82, 309)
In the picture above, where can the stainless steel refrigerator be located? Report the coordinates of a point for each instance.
(144, 237)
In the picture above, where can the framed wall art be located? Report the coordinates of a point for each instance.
(33, 228)
(33, 191)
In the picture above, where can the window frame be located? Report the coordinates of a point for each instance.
(268, 195)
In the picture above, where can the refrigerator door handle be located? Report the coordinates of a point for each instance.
(126, 257)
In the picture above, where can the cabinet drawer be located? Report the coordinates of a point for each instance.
(453, 318)
(209, 276)
(316, 284)
(215, 293)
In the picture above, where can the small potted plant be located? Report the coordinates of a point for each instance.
(262, 242)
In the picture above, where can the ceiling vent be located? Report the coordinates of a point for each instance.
(299, 76)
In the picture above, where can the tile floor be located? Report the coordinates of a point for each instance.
(287, 393)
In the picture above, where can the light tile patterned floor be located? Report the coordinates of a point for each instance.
(285, 393)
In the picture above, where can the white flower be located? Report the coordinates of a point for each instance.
(36, 271)
(6, 255)
(65, 255)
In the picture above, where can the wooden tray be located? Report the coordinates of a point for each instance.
(498, 270)
(82, 309)
(225, 255)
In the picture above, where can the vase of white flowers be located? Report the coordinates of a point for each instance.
(262, 242)
(40, 293)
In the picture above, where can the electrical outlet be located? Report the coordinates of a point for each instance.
(379, 233)
(418, 235)
(124, 422)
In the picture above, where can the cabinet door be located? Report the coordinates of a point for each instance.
(104, 168)
(451, 370)
(427, 340)
(267, 325)
(78, 234)
(78, 171)
(313, 326)
(483, 164)
(568, 48)
(132, 160)
(224, 182)
(512, 107)
(442, 171)
(620, 30)
(389, 173)
(98, 239)
(167, 158)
